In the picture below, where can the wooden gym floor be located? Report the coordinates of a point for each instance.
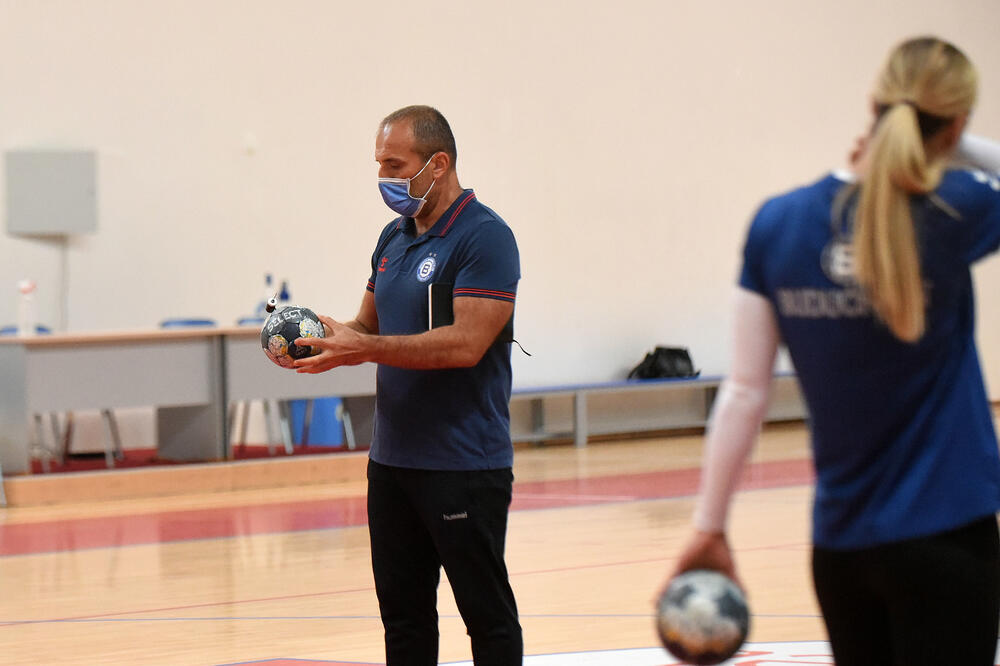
(281, 575)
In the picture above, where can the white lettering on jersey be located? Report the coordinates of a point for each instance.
(823, 303)
(991, 179)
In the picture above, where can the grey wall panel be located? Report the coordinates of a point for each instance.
(51, 191)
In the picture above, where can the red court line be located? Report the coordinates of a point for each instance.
(302, 662)
(651, 485)
(173, 526)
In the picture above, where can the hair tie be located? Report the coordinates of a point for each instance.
(928, 123)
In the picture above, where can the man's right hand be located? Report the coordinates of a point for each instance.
(341, 346)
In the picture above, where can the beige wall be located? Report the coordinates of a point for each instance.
(626, 143)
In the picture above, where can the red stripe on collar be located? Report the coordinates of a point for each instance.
(469, 197)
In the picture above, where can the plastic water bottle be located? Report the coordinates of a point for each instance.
(26, 320)
(268, 295)
(284, 298)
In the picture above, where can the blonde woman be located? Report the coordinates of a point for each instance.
(864, 275)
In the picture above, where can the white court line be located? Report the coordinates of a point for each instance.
(758, 654)
(784, 653)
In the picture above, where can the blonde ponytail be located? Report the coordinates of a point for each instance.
(932, 78)
(885, 246)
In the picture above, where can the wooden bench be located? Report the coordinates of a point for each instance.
(582, 427)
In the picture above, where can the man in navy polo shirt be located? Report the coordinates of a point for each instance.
(439, 474)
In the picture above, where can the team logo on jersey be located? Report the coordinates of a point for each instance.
(838, 262)
(426, 268)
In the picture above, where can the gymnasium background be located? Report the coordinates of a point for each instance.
(627, 144)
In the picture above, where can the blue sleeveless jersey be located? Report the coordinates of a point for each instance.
(902, 434)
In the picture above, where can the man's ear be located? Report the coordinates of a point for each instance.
(440, 163)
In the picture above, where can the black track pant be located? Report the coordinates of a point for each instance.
(421, 520)
(932, 601)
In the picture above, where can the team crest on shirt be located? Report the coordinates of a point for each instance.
(846, 300)
(838, 262)
(426, 268)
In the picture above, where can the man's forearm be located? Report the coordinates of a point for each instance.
(432, 350)
(356, 325)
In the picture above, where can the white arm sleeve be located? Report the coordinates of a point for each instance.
(738, 409)
(979, 152)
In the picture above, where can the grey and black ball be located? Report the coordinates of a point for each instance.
(702, 617)
(283, 327)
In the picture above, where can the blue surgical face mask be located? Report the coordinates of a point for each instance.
(396, 193)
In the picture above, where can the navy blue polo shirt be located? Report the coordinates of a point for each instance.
(455, 418)
(902, 433)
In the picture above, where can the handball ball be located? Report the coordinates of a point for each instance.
(702, 617)
(281, 329)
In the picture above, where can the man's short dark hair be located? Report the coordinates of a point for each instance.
(431, 132)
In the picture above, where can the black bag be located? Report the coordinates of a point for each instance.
(665, 362)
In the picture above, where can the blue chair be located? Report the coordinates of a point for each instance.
(333, 421)
(12, 330)
(181, 322)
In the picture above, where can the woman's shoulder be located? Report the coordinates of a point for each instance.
(972, 180)
(793, 204)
